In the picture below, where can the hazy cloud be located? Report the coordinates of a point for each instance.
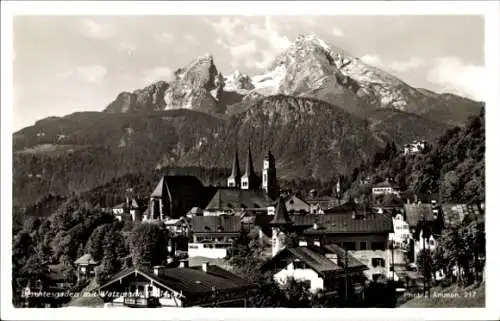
(97, 30)
(402, 66)
(165, 36)
(373, 60)
(92, 73)
(127, 48)
(156, 74)
(337, 32)
(455, 76)
(241, 41)
(190, 38)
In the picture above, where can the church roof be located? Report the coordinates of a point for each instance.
(281, 214)
(177, 183)
(233, 198)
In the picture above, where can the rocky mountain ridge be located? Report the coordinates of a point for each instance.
(309, 67)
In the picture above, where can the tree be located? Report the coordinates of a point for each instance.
(267, 294)
(297, 294)
(245, 255)
(148, 244)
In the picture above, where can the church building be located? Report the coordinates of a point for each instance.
(249, 180)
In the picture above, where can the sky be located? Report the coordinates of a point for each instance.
(64, 64)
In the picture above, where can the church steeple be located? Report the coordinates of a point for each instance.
(281, 216)
(235, 179)
(249, 171)
(280, 226)
(250, 180)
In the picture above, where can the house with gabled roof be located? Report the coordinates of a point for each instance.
(365, 235)
(322, 267)
(203, 286)
(85, 266)
(386, 187)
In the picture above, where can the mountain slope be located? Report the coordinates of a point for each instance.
(309, 138)
(83, 150)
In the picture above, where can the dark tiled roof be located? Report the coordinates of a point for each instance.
(232, 198)
(190, 282)
(453, 214)
(311, 257)
(216, 224)
(177, 184)
(352, 262)
(315, 258)
(345, 223)
(416, 213)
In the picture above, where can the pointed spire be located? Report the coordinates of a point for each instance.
(236, 172)
(249, 171)
(281, 215)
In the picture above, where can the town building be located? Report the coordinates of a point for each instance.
(322, 268)
(178, 226)
(294, 204)
(415, 147)
(401, 236)
(213, 235)
(385, 187)
(174, 196)
(205, 286)
(424, 228)
(365, 236)
(131, 209)
(231, 201)
(85, 266)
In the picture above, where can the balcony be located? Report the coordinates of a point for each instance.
(141, 302)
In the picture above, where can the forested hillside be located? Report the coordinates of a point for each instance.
(453, 166)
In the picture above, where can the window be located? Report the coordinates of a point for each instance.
(378, 262)
(362, 245)
(378, 246)
(350, 246)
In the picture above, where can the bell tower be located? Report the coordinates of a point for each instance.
(269, 180)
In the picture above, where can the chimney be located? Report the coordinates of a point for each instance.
(183, 264)
(159, 270)
(204, 267)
